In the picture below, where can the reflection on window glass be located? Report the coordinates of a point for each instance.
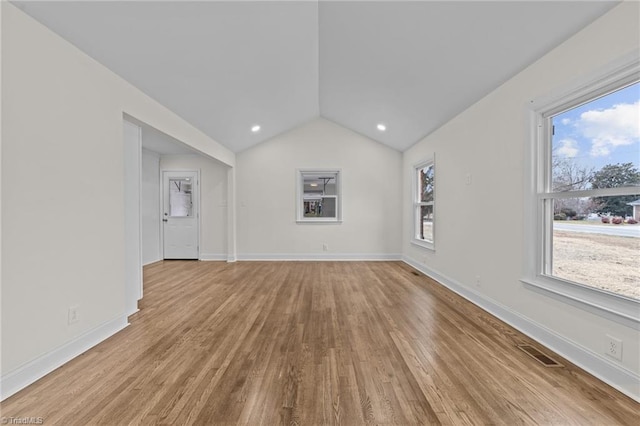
(426, 223)
(424, 203)
(180, 202)
(425, 182)
(320, 198)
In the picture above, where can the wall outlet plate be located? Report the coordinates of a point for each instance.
(72, 316)
(613, 347)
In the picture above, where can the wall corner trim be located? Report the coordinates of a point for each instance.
(34, 370)
(612, 374)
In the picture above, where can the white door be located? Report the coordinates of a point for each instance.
(180, 215)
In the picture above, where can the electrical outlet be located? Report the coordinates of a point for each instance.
(72, 316)
(467, 179)
(613, 347)
(325, 247)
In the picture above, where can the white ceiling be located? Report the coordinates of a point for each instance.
(163, 144)
(225, 66)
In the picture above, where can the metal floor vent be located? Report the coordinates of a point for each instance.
(539, 356)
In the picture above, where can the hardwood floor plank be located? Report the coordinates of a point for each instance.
(311, 343)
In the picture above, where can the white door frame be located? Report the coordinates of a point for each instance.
(162, 206)
(132, 159)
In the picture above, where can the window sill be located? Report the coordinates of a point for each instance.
(623, 310)
(423, 244)
(326, 221)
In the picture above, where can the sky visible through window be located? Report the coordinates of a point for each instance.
(603, 131)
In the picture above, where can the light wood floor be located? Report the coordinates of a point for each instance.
(313, 343)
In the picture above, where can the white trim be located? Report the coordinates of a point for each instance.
(424, 244)
(213, 256)
(415, 204)
(231, 214)
(132, 157)
(300, 218)
(197, 203)
(34, 370)
(599, 82)
(598, 192)
(152, 261)
(536, 272)
(320, 257)
(614, 307)
(615, 375)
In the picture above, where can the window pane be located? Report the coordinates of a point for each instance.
(319, 183)
(425, 223)
(425, 183)
(320, 193)
(597, 145)
(598, 249)
(320, 207)
(328, 208)
(180, 202)
(311, 207)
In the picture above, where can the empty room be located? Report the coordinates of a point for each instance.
(320, 212)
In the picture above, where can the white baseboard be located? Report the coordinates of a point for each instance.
(320, 256)
(213, 256)
(30, 372)
(616, 376)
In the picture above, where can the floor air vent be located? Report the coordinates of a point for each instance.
(539, 356)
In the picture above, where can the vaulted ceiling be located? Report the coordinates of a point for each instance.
(228, 66)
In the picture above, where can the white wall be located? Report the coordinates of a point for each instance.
(150, 206)
(63, 214)
(266, 194)
(479, 227)
(1, 139)
(213, 201)
(132, 155)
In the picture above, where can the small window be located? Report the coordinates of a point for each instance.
(180, 202)
(423, 205)
(318, 196)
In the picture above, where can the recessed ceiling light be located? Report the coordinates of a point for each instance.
(381, 127)
(255, 128)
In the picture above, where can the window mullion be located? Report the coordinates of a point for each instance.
(598, 192)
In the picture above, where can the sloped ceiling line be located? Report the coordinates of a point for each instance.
(226, 66)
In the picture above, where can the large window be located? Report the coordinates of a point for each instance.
(586, 182)
(423, 205)
(318, 196)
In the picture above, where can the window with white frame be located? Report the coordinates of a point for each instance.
(585, 238)
(318, 197)
(423, 203)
